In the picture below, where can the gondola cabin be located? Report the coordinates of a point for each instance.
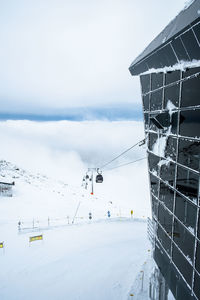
(99, 178)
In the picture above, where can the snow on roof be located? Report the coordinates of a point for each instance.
(182, 66)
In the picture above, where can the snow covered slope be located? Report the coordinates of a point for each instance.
(36, 196)
(90, 259)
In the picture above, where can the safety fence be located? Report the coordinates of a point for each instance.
(35, 228)
(50, 222)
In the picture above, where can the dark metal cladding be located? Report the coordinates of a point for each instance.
(171, 106)
(175, 43)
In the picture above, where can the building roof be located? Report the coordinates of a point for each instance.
(181, 21)
(7, 183)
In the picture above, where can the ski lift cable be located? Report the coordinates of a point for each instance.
(122, 153)
(126, 164)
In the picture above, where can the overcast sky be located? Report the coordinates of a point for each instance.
(57, 54)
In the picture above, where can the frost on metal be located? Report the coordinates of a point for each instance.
(182, 66)
(170, 107)
(159, 146)
(163, 162)
(191, 229)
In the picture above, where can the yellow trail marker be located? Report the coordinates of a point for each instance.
(35, 238)
(1, 245)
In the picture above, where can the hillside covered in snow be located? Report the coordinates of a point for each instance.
(78, 257)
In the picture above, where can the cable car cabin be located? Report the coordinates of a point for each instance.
(99, 178)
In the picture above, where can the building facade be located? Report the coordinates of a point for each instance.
(6, 189)
(169, 70)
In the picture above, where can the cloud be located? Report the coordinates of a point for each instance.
(64, 150)
(58, 54)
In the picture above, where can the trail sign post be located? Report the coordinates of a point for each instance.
(35, 238)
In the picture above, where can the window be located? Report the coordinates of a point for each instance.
(172, 77)
(160, 121)
(191, 44)
(170, 149)
(152, 140)
(191, 92)
(153, 163)
(174, 122)
(155, 206)
(189, 153)
(190, 71)
(146, 121)
(182, 264)
(186, 212)
(154, 184)
(145, 82)
(156, 80)
(166, 196)
(164, 239)
(197, 31)
(167, 172)
(172, 95)
(165, 218)
(156, 100)
(190, 123)
(180, 50)
(184, 240)
(187, 183)
(146, 103)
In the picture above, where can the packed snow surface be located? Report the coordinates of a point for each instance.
(87, 261)
(90, 259)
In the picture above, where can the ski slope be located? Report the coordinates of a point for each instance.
(86, 261)
(90, 259)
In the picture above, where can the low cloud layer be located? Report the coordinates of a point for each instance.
(64, 150)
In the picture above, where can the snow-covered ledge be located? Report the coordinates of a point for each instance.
(182, 66)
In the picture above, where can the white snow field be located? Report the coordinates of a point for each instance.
(90, 259)
(86, 261)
